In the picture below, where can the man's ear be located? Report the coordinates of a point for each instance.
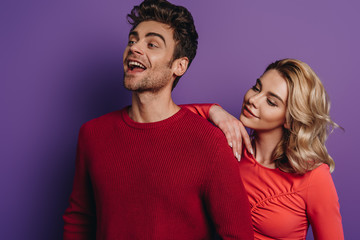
(180, 66)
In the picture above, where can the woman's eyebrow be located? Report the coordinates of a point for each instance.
(271, 93)
(276, 96)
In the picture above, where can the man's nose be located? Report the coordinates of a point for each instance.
(136, 48)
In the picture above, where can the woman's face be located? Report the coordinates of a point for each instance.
(264, 105)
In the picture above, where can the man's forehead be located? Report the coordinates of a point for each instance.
(146, 27)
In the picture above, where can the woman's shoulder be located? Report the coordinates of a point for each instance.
(320, 181)
(320, 172)
(313, 178)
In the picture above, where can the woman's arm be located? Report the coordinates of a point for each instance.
(233, 129)
(323, 208)
(201, 109)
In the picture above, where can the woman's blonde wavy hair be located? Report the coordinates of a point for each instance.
(302, 147)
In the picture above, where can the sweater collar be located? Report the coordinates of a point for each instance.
(160, 124)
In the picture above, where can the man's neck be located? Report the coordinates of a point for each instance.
(152, 107)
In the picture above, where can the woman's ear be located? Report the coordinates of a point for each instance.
(286, 125)
(180, 66)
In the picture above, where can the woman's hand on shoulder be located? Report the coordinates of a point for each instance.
(233, 129)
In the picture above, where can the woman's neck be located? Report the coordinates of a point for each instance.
(265, 143)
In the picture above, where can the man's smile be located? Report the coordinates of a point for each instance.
(135, 66)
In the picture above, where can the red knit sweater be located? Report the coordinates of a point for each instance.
(173, 179)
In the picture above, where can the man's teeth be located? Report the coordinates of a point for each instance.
(136, 64)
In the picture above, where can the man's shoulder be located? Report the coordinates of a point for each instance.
(207, 138)
(104, 121)
(202, 127)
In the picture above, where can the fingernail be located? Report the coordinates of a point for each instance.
(251, 151)
(230, 144)
(238, 157)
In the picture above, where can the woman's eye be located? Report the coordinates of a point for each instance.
(271, 103)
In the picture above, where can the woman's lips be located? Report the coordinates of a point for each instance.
(248, 112)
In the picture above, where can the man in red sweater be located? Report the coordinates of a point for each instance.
(154, 170)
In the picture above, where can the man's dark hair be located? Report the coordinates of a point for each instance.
(177, 17)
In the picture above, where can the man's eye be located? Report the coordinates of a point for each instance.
(152, 45)
(130, 43)
(255, 88)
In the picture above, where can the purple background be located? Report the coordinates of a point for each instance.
(61, 65)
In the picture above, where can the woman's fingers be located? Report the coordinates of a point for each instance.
(233, 129)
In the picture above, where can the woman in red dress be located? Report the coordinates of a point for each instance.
(287, 170)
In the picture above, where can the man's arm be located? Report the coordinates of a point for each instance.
(225, 195)
(79, 217)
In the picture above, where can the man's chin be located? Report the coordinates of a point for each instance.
(129, 85)
(142, 89)
(129, 82)
(140, 85)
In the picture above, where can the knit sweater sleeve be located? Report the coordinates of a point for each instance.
(323, 207)
(225, 196)
(201, 109)
(79, 217)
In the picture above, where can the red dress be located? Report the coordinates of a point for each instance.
(284, 204)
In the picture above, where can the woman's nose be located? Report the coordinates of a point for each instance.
(253, 100)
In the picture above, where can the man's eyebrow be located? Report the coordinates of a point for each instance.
(259, 82)
(156, 35)
(134, 33)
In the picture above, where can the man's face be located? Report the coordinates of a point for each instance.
(147, 57)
